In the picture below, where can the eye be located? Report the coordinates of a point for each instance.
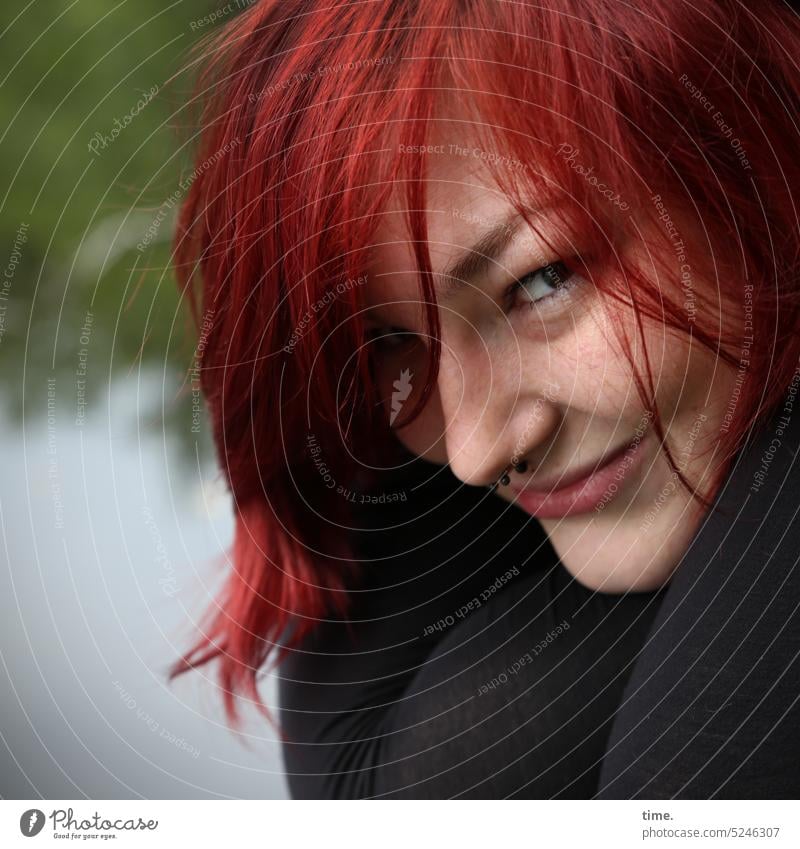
(389, 338)
(549, 281)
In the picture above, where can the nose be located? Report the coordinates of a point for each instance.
(491, 419)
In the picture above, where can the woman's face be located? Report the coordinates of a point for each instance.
(531, 371)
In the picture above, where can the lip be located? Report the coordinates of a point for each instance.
(584, 490)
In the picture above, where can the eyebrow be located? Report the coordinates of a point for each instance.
(476, 260)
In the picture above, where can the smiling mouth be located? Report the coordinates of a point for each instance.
(583, 490)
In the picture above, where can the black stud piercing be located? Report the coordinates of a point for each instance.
(521, 467)
(505, 480)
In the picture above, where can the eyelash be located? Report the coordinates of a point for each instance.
(388, 337)
(395, 337)
(564, 282)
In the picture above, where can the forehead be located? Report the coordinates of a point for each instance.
(462, 202)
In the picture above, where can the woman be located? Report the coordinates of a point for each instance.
(498, 301)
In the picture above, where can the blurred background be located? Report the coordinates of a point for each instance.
(114, 519)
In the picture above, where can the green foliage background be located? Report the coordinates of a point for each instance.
(67, 75)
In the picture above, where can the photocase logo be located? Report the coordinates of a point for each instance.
(402, 389)
(31, 822)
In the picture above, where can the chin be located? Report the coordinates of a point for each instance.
(619, 551)
(617, 563)
(616, 578)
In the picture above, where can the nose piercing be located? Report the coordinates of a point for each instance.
(521, 467)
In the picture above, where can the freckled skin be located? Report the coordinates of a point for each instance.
(546, 385)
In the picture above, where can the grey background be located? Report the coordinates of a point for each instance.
(87, 628)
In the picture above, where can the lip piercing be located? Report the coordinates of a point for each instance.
(505, 478)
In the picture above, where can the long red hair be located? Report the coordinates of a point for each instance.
(689, 111)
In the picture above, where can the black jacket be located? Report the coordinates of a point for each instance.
(713, 707)
(472, 665)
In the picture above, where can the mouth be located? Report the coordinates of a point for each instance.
(584, 490)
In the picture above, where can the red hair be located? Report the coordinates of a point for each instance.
(688, 110)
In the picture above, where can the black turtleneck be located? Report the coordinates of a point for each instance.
(472, 664)
(712, 709)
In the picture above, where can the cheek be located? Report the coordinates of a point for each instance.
(423, 437)
(608, 355)
(400, 385)
(687, 375)
(591, 370)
